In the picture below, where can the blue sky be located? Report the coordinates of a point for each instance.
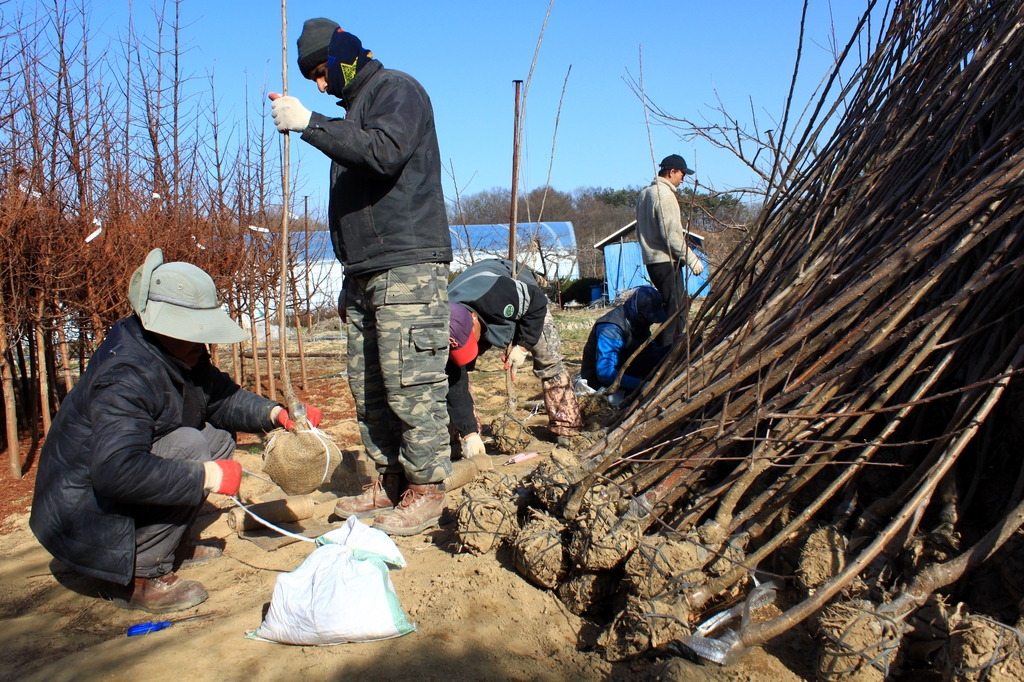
(467, 52)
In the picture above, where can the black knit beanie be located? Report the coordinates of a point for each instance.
(313, 43)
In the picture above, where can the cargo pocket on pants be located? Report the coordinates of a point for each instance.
(424, 355)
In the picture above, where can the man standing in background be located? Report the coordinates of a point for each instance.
(390, 231)
(659, 229)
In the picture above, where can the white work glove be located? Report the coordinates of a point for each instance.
(289, 114)
(514, 359)
(473, 445)
(695, 265)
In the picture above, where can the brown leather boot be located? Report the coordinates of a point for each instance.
(381, 495)
(419, 510)
(162, 594)
(564, 418)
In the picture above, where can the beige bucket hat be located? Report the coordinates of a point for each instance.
(179, 300)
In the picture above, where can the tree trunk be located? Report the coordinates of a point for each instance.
(10, 408)
(31, 384)
(257, 386)
(51, 373)
(44, 388)
(271, 388)
(23, 385)
(298, 334)
(43, 384)
(65, 358)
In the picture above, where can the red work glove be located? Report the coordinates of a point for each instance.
(313, 415)
(223, 476)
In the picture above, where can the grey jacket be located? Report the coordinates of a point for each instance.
(659, 227)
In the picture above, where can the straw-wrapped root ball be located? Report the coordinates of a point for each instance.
(300, 461)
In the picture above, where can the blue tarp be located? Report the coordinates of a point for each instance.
(494, 238)
(624, 269)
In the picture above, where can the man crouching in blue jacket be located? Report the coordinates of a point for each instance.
(142, 439)
(617, 335)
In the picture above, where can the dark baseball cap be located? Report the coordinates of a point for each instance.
(465, 348)
(675, 162)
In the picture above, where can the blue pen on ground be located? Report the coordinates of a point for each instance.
(154, 626)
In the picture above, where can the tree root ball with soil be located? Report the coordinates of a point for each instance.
(822, 557)
(662, 566)
(538, 552)
(983, 649)
(511, 435)
(485, 512)
(602, 539)
(643, 625)
(857, 643)
(553, 478)
(584, 590)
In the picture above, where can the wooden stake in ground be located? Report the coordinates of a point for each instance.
(286, 381)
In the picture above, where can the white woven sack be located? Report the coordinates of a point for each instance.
(341, 593)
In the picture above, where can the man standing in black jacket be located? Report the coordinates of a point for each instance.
(390, 231)
(141, 440)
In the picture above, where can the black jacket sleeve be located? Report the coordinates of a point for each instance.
(123, 427)
(531, 325)
(460, 400)
(229, 406)
(391, 131)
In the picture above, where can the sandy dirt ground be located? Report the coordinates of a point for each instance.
(476, 618)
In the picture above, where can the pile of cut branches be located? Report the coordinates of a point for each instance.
(852, 376)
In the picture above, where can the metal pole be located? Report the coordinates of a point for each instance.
(513, 218)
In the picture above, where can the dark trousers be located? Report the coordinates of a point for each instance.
(159, 529)
(668, 280)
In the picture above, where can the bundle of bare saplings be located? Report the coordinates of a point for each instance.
(837, 441)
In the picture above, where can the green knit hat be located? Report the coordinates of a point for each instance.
(313, 43)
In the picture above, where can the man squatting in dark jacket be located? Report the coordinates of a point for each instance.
(142, 438)
(489, 308)
(390, 230)
(616, 336)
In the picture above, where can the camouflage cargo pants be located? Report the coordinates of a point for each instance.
(397, 349)
(560, 401)
(547, 352)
